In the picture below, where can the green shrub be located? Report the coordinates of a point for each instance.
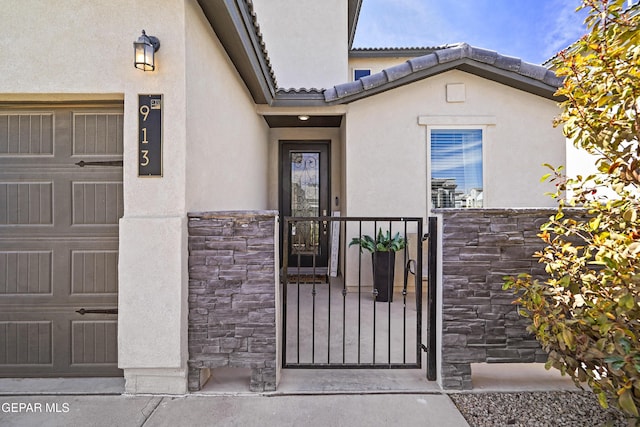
(586, 314)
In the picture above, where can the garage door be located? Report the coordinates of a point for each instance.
(60, 201)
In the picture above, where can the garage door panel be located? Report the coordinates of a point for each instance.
(26, 203)
(61, 136)
(57, 343)
(90, 204)
(94, 272)
(87, 273)
(97, 203)
(26, 134)
(59, 271)
(25, 272)
(94, 342)
(59, 239)
(97, 134)
(26, 343)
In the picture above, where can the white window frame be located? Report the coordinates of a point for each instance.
(353, 74)
(483, 123)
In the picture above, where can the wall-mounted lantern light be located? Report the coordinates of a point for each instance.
(144, 50)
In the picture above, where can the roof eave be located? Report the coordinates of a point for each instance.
(298, 98)
(233, 24)
(352, 19)
(471, 66)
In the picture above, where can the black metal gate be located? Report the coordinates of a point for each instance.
(353, 311)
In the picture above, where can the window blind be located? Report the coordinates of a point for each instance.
(456, 156)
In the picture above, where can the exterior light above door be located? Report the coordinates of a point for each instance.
(303, 117)
(144, 50)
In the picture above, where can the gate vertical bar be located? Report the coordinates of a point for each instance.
(328, 318)
(285, 273)
(343, 256)
(418, 285)
(389, 298)
(313, 298)
(375, 293)
(359, 291)
(404, 296)
(432, 253)
(298, 303)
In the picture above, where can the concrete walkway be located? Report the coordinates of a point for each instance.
(435, 410)
(304, 398)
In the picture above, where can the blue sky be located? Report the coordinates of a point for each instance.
(533, 30)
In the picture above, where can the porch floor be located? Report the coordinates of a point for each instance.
(323, 326)
(500, 377)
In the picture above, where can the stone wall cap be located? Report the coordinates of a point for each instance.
(502, 210)
(233, 214)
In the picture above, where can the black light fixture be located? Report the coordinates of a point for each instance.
(144, 50)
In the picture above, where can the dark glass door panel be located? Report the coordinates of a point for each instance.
(304, 183)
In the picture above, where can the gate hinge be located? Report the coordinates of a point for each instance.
(424, 348)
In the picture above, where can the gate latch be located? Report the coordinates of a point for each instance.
(424, 348)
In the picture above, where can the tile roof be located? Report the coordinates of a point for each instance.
(367, 52)
(263, 46)
(486, 63)
(236, 25)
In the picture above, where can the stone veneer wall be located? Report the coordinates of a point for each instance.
(232, 295)
(479, 321)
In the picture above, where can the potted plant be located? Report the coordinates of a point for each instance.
(383, 256)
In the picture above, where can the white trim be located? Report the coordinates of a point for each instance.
(457, 120)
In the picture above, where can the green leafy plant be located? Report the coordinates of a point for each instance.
(382, 243)
(586, 314)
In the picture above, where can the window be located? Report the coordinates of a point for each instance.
(359, 73)
(456, 168)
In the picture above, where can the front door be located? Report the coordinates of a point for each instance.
(305, 192)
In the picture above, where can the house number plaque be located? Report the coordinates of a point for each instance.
(149, 135)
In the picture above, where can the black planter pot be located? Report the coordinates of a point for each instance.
(383, 272)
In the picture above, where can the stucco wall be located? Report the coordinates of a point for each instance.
(306, 41)
(73, 49)
(386, 152)
(227, 142)
(77, 50)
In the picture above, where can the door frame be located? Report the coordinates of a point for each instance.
(285, 146)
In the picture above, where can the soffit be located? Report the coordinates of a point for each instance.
(278, 121)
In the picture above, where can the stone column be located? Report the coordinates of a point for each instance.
(233, 279)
